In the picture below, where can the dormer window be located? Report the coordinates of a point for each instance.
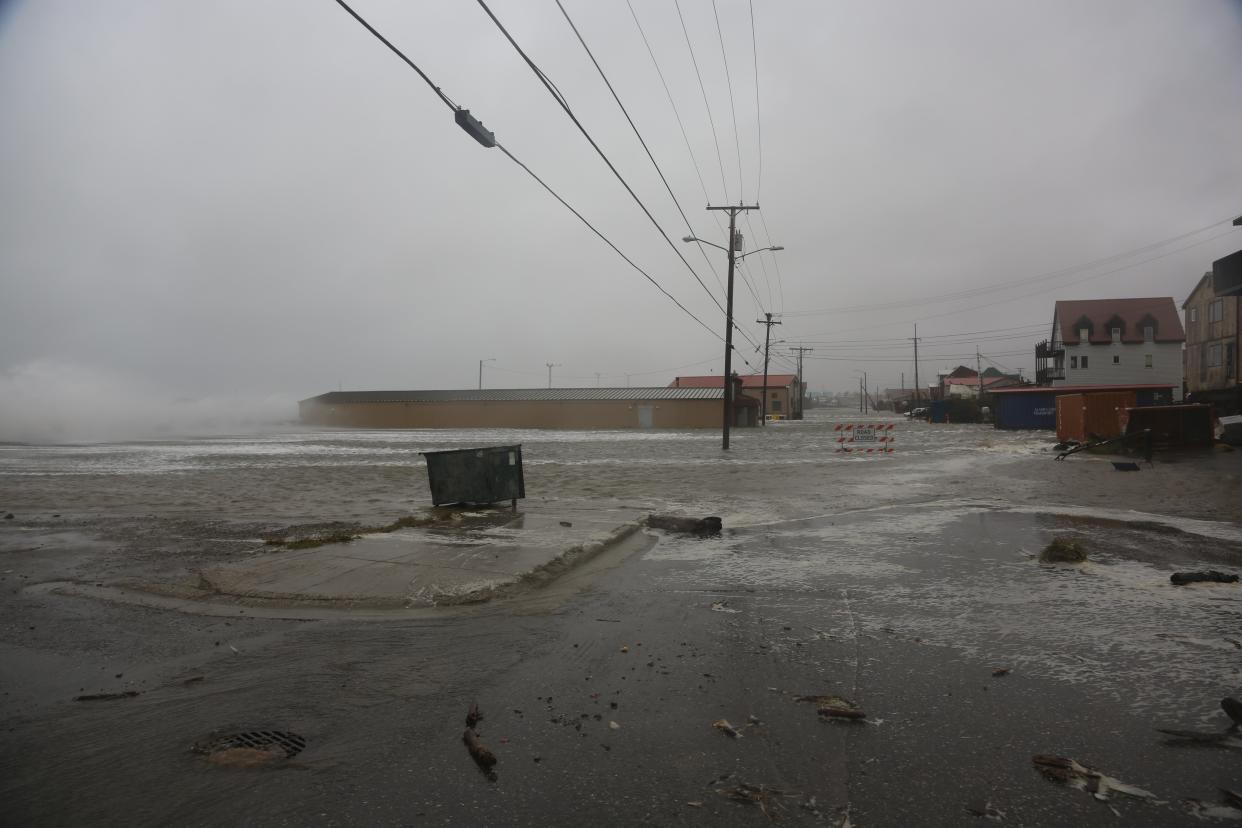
(1148, 326)
(1116, 332)
(1084, 327)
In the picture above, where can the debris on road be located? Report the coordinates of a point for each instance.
(566, 523)
(1125, 466)
(1069, 772)
(760, 795)
(724, 726)
(723, 606)
(695, 803)
(688, 526)
(625, 648)
(1204, 576)
(1230, 738)
(613, 725)
(836, 711)
(128, 694)
(985, 809)
(1233, 709)
(1000, 671)
(1202, 810)
(1063, 550)
(482, 757)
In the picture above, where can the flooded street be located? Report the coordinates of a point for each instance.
(908, 583)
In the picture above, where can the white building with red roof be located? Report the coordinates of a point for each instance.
(1113, 342)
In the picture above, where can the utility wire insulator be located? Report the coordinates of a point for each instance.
(474, 127)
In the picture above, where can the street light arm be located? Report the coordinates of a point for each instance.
(774, 248)
(703, 241)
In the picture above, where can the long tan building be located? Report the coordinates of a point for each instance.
(567, 408)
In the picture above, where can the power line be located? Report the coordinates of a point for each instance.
(448, 102)
(646, 149)
(703, 89)
(605, 239)
(440, 93)
(737, 142)
(1026, 280)
(1011, 329)
(556, 94)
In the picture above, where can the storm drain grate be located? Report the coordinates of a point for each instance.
(264, 740)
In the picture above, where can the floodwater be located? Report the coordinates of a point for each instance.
(898, 579)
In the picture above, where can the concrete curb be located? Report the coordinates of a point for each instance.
(204, 590)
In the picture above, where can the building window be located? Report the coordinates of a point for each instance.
(1230, 356)
(1149, 333)
(776, 406)
(1084, 363)
(1147, 360)
(1074, 362)
(1216, 311)
(1084, 334)
(1192, 315)
(1116, 335)
(1203, 359)
(1214, 356)
(1116, 359)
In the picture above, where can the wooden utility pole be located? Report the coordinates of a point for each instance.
(800, 351)
(979, 373)
(735, 243)
(551, 365)
(916, 365)
(767, 341)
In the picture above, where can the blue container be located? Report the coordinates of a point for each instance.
(1026, 411)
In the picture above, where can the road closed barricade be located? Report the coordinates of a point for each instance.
(865, 438)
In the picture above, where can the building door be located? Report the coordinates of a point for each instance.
(645, 416)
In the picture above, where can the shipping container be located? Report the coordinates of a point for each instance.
(1173, 426)
(1035, 407)
(1086, 417)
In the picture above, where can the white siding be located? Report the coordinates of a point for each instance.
(1101, 370)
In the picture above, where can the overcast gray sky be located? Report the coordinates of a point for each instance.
(250, 203)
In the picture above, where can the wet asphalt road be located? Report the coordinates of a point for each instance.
(906, 611)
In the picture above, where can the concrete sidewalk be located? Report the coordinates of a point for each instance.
(472, 561)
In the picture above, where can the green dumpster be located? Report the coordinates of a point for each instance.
(476, 475)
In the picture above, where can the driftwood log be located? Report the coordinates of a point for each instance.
(689, 526)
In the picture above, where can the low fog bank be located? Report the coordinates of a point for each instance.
(48, 401)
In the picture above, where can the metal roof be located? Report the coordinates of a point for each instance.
(1079, 389)
(748, 381)
(519, 395)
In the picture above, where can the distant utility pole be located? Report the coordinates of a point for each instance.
(551, 365)
(597, 379)
(860, 395)
(800, 351)
(916, 365)
(979, 373)
(735, 244)
(481, 361)
(767, 341)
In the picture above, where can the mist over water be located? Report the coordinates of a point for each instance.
(51, 401)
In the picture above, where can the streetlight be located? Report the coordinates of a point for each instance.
(735, 244)
(481, 361)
